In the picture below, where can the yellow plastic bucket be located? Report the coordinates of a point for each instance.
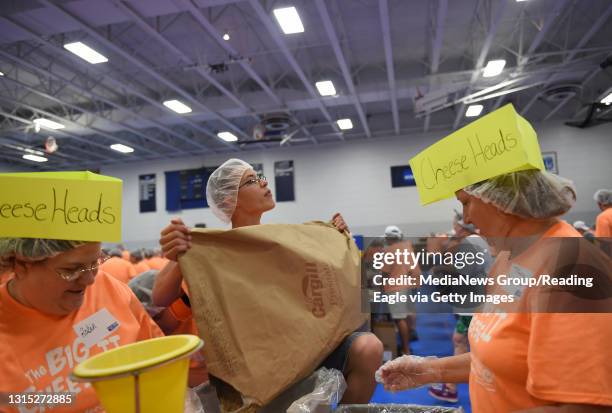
(148, 376)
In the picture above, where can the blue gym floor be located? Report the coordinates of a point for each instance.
(435, 339)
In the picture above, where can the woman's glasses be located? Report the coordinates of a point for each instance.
(253, 181)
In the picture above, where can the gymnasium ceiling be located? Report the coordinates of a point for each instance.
(399, 67)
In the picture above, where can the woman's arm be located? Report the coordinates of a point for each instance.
(167, 287)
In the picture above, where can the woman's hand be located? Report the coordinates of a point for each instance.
(175, 239)
(338, 222)
(407, 372)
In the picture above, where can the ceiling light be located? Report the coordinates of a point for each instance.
(227, 136)
(473, 111)
(289, 20)
(85, 52)
(121, 148)
(494, 68)
(1, 74)
(49, 124)
(34, 158)
(608, 99)
(520, 1)
(226, 37)
(177, 106)
(345, 124)
(326, 88)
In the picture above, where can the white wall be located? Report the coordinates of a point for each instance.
(355, 180)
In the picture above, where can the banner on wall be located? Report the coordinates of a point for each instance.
(147, 192)
(283, 181)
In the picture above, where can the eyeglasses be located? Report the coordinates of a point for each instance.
(74, 275)
(253, 181)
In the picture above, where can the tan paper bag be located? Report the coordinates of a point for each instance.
(272, 301)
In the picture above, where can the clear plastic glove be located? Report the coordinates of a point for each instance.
(175, 239)
(408, 372)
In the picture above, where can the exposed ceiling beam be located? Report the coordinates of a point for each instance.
(139, 20)
(119, 125)
(143, 66)
(120, 85)
(383, 7)
(484, 51)
(196, 13)
(274, 33)
(603, 18)
(586, 80)
(436, 45)
(346, 74)
(95, 131)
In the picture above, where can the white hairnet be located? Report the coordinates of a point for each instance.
(222, 188)
(34, 249)
(393, 232)
(528, 194)
(603, 196)
(581, 225)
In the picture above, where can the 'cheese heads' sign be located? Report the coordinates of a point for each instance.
(80, 206)
(498, 143)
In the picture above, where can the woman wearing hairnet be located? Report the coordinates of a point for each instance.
(55, 291)
(238, 196)
(523, 361)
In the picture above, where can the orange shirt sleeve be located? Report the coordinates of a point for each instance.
(603, 224)
(567, 360)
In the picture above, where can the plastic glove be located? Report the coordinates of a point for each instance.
(408, 372)
(208, 397)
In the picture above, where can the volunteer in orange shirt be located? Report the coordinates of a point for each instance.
(524, 361)
(118, 267)
(137, 260)
(238, 196)
(603, 224)
(56, 290)
(156, 261)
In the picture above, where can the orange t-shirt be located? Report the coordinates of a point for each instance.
(119, 268)
(157, 263)
(524, 360)
(603, 224)
(140, 267)
(39, 351)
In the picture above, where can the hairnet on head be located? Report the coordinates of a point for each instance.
(603, 196)
(394, 232)
(581, 225)
(33, 249)
(528, 194)
(222, 188)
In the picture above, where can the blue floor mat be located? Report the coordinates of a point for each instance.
(435, 339)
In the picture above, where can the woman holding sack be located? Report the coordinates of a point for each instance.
(237, 195)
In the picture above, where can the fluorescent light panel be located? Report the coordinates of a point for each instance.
(289, 20)
(177, 106)
(607, 100)
(345, 124)
(49, 124)
(85, 52)
(326, 88)
(121, 148)
(494, 68)
(227, 136)
(34, 158)
(1, 74)
(473, 111)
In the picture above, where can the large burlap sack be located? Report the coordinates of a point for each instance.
(272, 301)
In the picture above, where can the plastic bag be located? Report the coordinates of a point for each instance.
(395, 408)
(329, 388)
(192, 402)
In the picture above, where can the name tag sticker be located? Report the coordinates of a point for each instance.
(96, 327)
